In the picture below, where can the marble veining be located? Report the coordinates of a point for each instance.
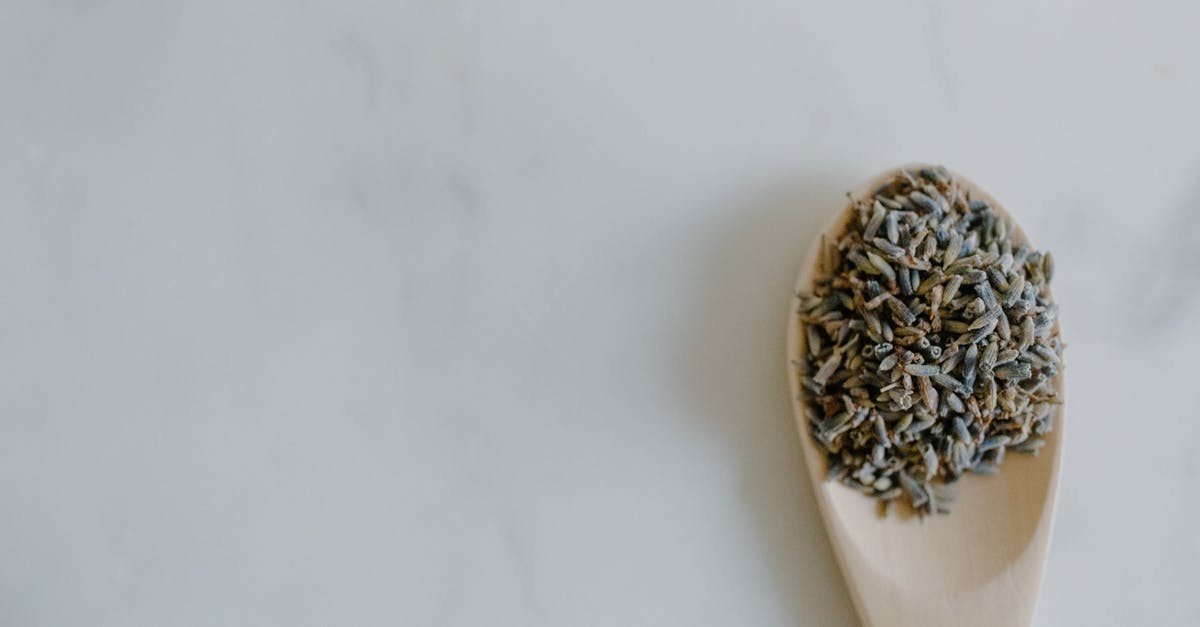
(464, 313)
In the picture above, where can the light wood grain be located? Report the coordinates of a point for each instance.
(982, 564)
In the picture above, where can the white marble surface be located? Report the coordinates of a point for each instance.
(471, 313)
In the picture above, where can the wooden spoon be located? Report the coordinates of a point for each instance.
(980, 565)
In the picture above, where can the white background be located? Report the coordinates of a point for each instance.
(472, 313)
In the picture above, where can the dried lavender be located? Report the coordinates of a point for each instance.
(931, 340)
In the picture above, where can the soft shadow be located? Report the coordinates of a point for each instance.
(733, 372)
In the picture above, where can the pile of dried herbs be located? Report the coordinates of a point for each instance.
(931, 342)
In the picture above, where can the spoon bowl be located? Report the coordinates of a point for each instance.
(980, 565)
